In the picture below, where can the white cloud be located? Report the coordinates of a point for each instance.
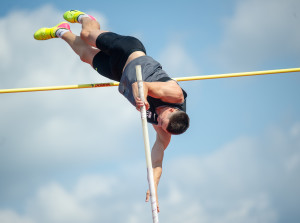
(9, 216)
(91, 199)
(54, 204)
(93, 186)
(246, 180)
(45, 134)
(176, 60)
(295, 131)
(45, 127)
(261, 31)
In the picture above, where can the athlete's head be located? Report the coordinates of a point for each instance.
(179, 122)
(173, 121)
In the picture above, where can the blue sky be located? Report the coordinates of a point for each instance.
(78, 156)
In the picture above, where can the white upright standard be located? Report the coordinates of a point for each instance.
(147, 146)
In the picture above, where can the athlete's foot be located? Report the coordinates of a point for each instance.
(49, 33)
(74, 16)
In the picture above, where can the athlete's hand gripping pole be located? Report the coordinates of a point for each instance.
(147, 146)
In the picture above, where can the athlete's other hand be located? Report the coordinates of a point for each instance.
(139, 104)
(138, 101)
(148, 197)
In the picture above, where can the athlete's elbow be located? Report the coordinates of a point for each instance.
(179, 99)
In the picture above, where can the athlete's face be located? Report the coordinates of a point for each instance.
(164, 118)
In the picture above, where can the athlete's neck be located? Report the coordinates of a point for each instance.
(161, 109)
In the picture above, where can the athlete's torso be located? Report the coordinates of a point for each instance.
(151, 72)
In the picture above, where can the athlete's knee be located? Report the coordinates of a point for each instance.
(90, 36)
(90, 27)
(85, 33)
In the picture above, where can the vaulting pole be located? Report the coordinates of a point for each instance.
(147, 146)
(111, 84)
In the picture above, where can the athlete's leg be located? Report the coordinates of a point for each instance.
(88, 54)
(90, 31)
(90, 27)
(81, 48)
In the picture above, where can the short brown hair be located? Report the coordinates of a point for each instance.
(179, 123)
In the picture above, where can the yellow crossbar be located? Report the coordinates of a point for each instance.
(111, 84)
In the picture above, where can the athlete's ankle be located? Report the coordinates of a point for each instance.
(60, 32)
(82, 16)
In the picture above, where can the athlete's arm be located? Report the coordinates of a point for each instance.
(157, 154)
(168, 91)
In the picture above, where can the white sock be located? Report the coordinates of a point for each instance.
(60, 32)
(81, 16)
